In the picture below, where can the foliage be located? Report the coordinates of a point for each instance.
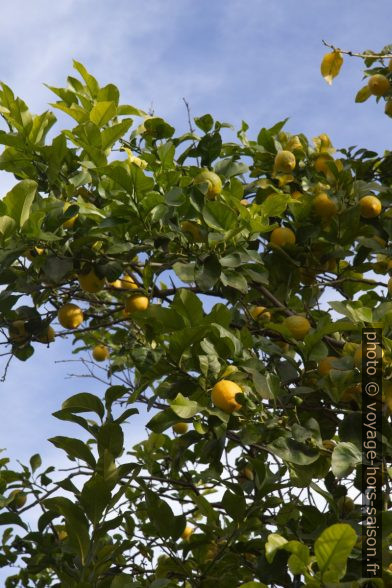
(259, 486)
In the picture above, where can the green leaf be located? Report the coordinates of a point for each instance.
(184, 407)
(299, 558)
(345, 457)
(229, 168)
(76, 524)
(35, 462)
(234, 504)
(158, 128)
(332, 549)
(294, 452)
(207, 274)
(219, 216)
(253, 585)
(188, 305)
(75, 448)
(19, 200)
(84, 402)
(102, 113)
(91, 82)
(111, 437)
(162, 420)
(274, 205)
(7, 225)
(205, 122)
(274, 542)
(162, 517)
(11, 518)
(363, 94)
(115, 132)
(95, 497)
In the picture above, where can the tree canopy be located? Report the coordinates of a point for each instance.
(219, 279)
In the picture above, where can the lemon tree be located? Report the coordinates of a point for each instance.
(195, 269)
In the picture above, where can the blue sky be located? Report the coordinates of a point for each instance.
(256, 60)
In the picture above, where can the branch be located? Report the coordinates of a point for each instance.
(354, 54)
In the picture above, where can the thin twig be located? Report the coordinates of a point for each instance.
(354, 54)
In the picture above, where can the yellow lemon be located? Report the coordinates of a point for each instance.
(180, 428)
(370, 207)
(193, 229)
(298, 325)
(213, 181)
(378, 85)
(46, 336)
(388, 108)
(100, 352)
(324, 206)
(325, 365)
(136, 303)
(70, 316)
(284, 162)
(187, 533)
(260, 313)
(128, 283)
(19, 498)
(321, 163)
(282, 236)
(90, 282)
(31, 253)
(223, 395)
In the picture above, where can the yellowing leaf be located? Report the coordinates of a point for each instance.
(330, 66)
(363, 94)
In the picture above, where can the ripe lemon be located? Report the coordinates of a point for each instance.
(31, 253)
(187, 533)
(100, 352)
(370, 206)
(388, 108)
(136, 303)
(180, 428)
(193, 229)
(324, 206)
(68, 224)
(378, 85)
(282, 236)
(128, 283)
(46, 336)
(284, 162)
(294, 144)
(325, 365)
(213, 181)
(116, 284)
(223, 395)
(90, 282)
(17, 332)
(70, 316)
(260, 313)
(19, 498)
(298, 325)
(321, 163)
